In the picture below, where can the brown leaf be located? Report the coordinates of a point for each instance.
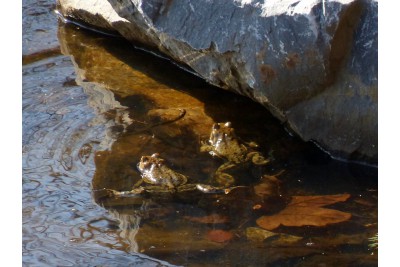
(258, 235)
(318, 201)
(219, 236)
(210, 219)
(307, 210)
(269, 186)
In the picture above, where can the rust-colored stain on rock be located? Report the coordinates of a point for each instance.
(292, 60)
(267, 73)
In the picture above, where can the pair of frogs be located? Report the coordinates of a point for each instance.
(222, 143)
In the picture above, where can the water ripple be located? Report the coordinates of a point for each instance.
(62, 226)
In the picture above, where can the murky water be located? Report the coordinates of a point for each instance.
(92, 106)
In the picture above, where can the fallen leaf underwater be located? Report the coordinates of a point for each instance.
(307, 210)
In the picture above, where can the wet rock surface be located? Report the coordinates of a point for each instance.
(313, 64)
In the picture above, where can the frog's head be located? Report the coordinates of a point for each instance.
(148, 162)
(222, 132)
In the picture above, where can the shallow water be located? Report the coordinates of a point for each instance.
(90, 113)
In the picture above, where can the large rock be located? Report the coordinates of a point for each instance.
(312, 63)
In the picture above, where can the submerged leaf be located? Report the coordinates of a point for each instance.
(209, 219)
(219, 236)
(258, 235)
(318, 201)
(285, 240)
(307, 210)
(268, 186)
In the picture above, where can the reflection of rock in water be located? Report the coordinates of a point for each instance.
(58, 145)
(129, 225)
(103, 102)
(170, 239)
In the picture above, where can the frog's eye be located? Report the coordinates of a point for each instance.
(228, 124)
(155, 155)
(216, 126)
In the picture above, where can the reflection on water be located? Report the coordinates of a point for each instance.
(87, 122)
(62, 226)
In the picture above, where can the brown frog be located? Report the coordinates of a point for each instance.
(159, 178)
(155, 172)
(224, 143)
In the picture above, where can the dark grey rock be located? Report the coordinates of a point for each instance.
(312, 63)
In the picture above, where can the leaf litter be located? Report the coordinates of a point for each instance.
(307, 211)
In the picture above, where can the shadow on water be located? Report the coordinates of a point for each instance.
(130, 102)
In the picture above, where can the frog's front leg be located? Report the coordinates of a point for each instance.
(138, 183)
(205, 147)
(251, 144)
(210, 149)
(256, 158)
(224, 179)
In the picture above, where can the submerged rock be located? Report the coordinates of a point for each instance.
(312, 63)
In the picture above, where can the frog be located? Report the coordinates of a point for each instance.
(157, 177)
(154, 171)
(224, 143)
